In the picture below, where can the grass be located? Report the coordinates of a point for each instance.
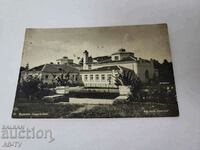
(136, 109)
(59, 110)
(153, 101)
(43, 110)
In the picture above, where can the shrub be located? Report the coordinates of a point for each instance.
(127, 77)
(30, 86)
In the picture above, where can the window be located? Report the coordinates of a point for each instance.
(96, 77)
(116, 57)
(81, 78)
(91, 77)
(109, 77)
(86, 77)
(60, 69)
(103, 77)
(76, 77)
(89, 67)
(46, 76)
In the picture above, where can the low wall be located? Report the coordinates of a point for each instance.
(90, 101)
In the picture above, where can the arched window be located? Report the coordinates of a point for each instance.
(103, 77)
(86, 77)
(97, 77)
(91, 77)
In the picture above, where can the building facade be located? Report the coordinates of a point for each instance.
(100, 71)
(48, 73)
(100, 77)
(95, 72)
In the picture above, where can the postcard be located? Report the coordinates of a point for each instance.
(96, 72)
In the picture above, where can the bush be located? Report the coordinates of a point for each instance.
(127, 77)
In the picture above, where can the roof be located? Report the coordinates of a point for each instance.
(38, 68)
(130, 58)
(54, 68)
(107, 68)
(122, 51)
(75, 65)
(130, 53)
(142, 60)
(64, 58)
(102, 58)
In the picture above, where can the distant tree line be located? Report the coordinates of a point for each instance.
(165, 71)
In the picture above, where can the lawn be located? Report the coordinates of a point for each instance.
(43, 110)
(136, 109)
(66, 110)
(153, 101)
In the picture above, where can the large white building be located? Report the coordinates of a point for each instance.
(100, 71)
(96, 72)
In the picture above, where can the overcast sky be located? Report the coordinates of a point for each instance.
(47, 45)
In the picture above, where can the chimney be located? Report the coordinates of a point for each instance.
(85, 59)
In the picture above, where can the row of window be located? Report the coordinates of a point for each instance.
(74, 77)
(97, 77)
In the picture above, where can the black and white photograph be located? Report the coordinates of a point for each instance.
(99, 75)
(96, 72)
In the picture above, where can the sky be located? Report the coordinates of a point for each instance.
(47, 45)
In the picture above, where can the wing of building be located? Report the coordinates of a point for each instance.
(100, 71)
(48, 72)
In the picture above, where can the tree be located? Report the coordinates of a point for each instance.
(27, 67)
(166, 73)
(127, 77)
(30, 86)
(81, 61)
(63, 79)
